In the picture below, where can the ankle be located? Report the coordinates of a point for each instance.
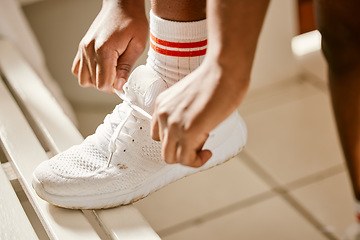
(177, 48)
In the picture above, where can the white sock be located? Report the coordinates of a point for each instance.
(176, 48)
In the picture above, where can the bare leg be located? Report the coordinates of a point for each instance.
(339, 24)
(181, 11)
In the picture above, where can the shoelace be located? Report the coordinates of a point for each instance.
(117, 131)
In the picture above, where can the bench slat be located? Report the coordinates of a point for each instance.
(60, 134)
(129, 223)
(39, 103)
(25, 153)
(14, 222)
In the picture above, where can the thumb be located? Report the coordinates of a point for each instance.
(124, 65)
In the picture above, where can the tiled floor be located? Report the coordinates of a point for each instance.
(289, 183)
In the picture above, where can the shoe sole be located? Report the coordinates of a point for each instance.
(168, 174)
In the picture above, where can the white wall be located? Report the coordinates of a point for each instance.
(274, 60)
(60, 24)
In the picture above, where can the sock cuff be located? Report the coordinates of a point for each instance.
(177, 31)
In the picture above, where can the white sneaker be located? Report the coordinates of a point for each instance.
(120, 163)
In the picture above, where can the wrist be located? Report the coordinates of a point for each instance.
(223, 83)
(231, 61)
(229, 72)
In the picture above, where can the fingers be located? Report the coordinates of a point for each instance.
(192, 155)
(123, 70)
(155, 128)
(169, 149)
(103, 68)
(174, 150)
(126, 62)
(106, 71)
(83, 74)
(193, 158)
(76, 64)
(96, 69)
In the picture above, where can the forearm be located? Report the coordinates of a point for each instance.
(233, 30)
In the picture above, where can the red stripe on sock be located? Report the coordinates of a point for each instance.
(178, 44)
(172, 53)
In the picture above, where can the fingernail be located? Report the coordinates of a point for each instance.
(120, 83)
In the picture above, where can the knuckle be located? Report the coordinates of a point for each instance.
(102, 51)
(158, 102)
(86, 45)
(187, 132)
(89, 46)
(175, 120)
(139, 46)
(124, 66)
(162, 114)
(174, 126)
(160, 98)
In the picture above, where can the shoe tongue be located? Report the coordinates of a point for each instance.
(143, 86)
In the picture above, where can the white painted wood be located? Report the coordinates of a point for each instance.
(25, 152)
(14, 222)
(41, 105)
(127, 223)
(9, 171)
(60, 134)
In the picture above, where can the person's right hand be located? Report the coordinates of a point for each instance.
(113, 43)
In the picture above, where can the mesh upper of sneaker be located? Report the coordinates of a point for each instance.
(78, 161)
(83, 170)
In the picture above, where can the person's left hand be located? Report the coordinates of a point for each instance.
(186, 113)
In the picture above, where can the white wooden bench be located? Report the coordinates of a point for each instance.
(33, 128)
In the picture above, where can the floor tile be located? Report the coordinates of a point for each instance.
(314, 63)
(200, 193)
(330, 201)
(296, 139)
(270, 219)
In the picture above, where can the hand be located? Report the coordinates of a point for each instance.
(186, 113)
(113, 43)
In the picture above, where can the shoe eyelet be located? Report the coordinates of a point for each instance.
(124, 150)
(140, 128)
(133, 140)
